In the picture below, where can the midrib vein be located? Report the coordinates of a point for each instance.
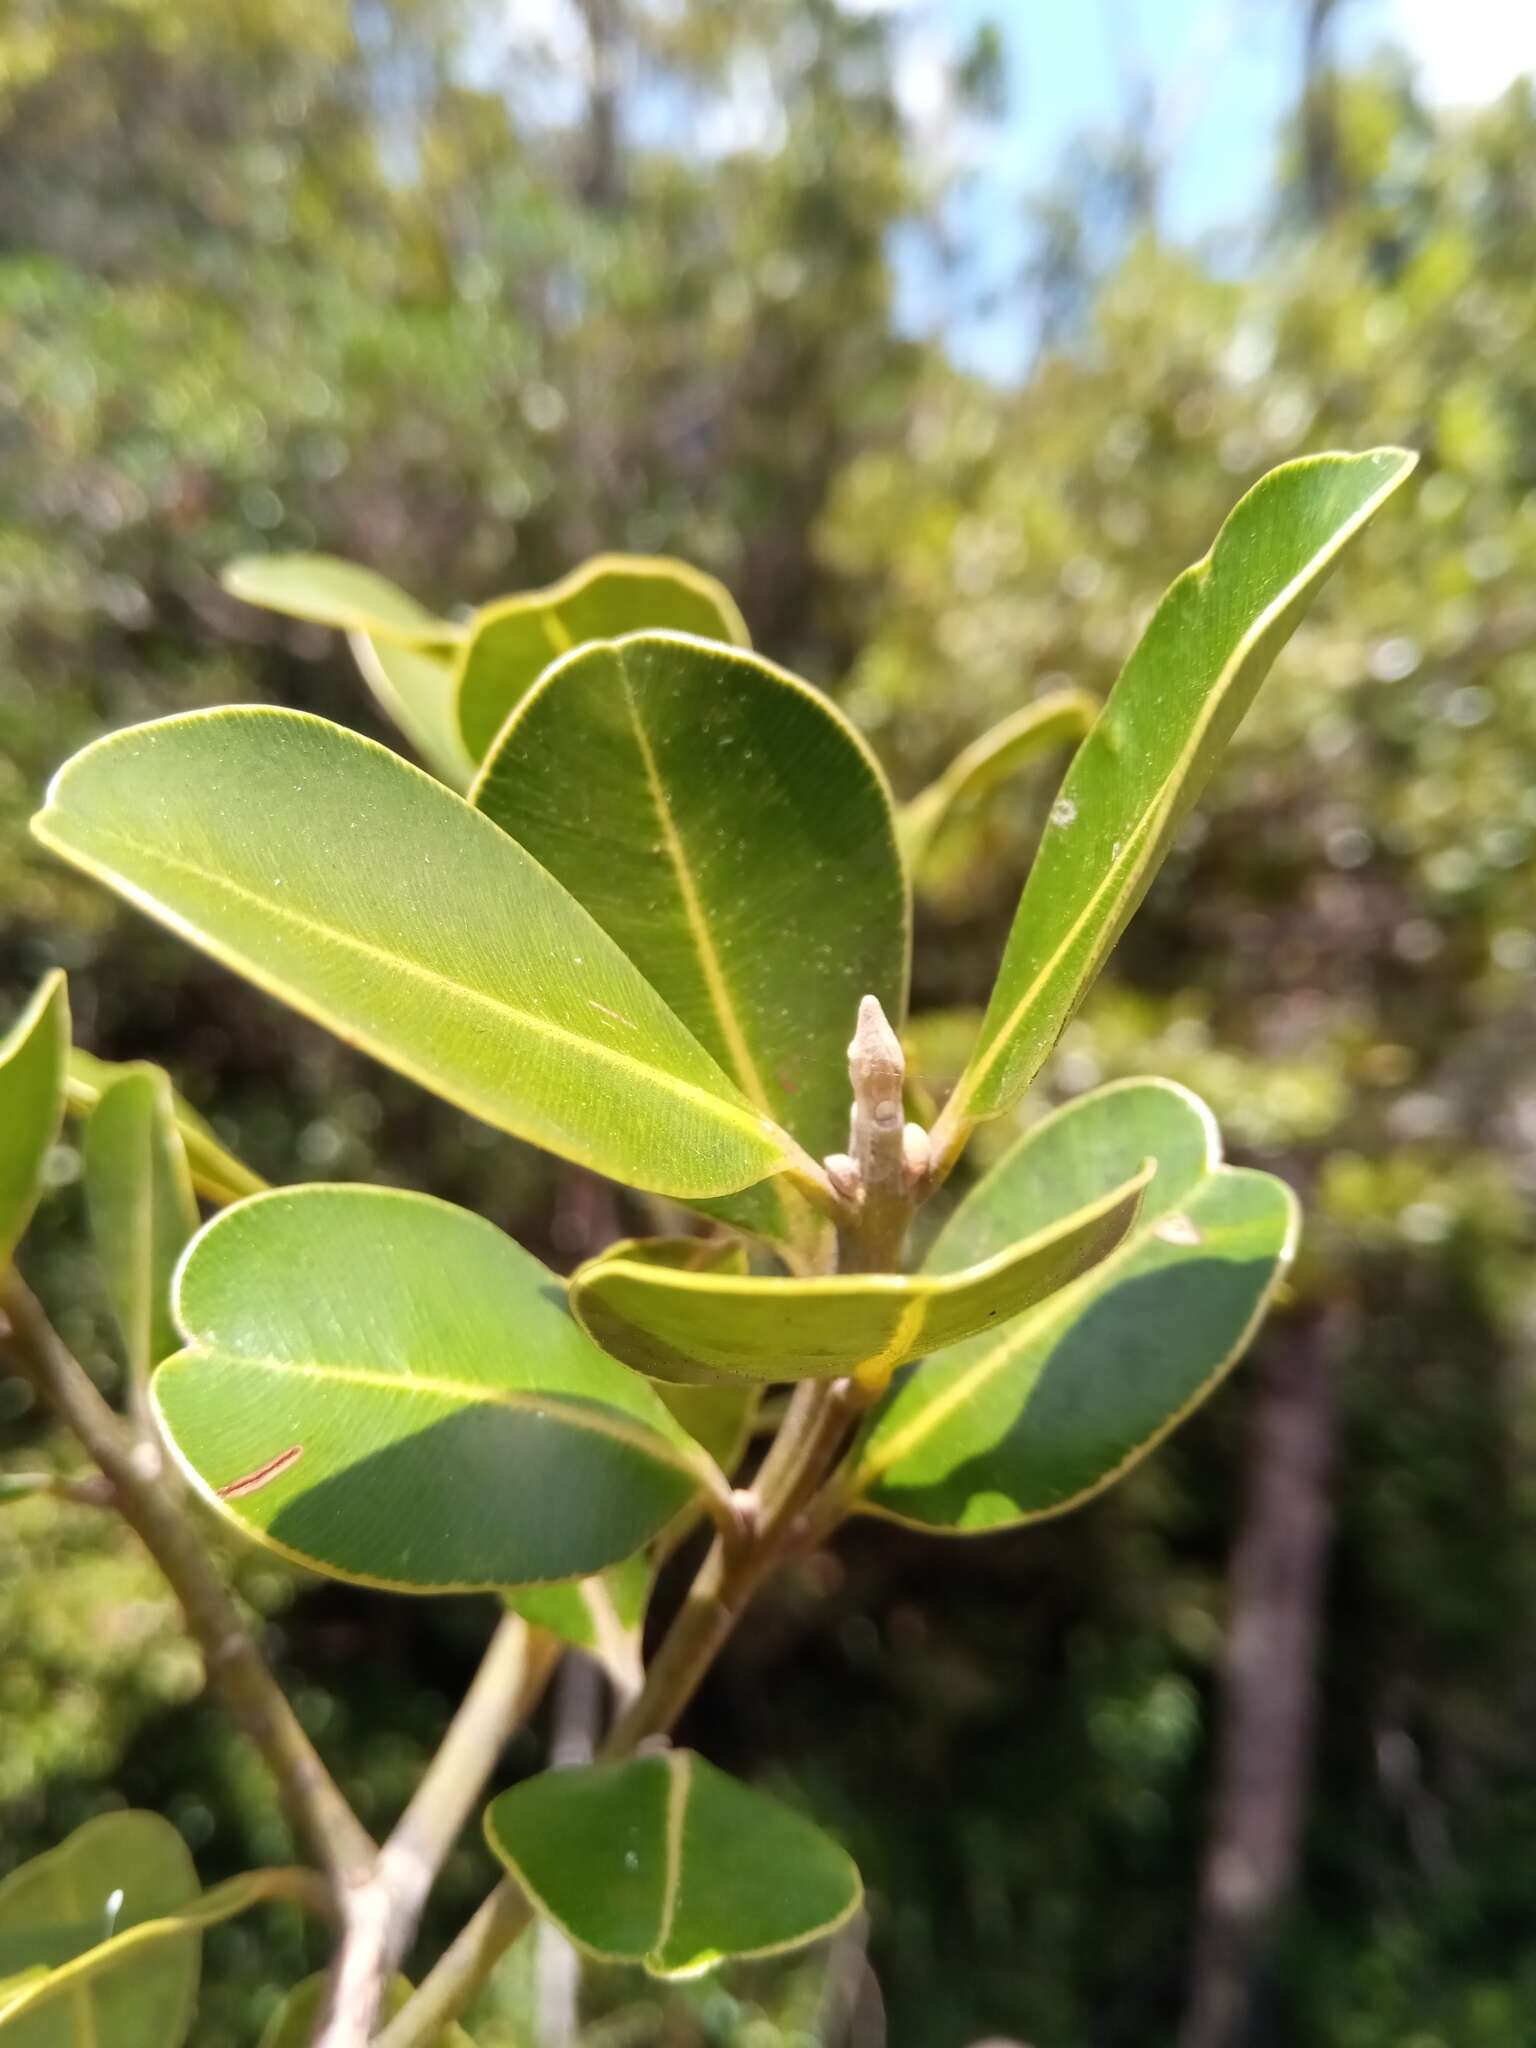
(718, 988)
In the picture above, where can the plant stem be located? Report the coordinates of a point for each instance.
(159, 1520)
(813, 1431)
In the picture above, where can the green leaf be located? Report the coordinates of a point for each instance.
(143, 1211)
(414, 687)
(387, 1389)
(1176, 705)
(216, 1173)
(603, 1615)
(295, 2022)
(115, 1874)
(32, 1056)
(685, 1325)
(665, 1861)
(1029, 1422)
(729, 830)
(1058, 716)
(337, 876)
(332, 592)
(510, 644)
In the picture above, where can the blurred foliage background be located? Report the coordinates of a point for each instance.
(1245, 1752)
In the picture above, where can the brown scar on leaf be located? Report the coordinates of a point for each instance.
(263, 1475)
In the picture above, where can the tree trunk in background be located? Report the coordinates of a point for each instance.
(1268, 1684)
(1319, 114)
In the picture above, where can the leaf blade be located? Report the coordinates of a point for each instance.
(32, 1062)
(143, 1212)
(1058, 716)
(413, 686)
(329, 591)
(216, 1172)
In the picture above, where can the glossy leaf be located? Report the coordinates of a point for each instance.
(331, 592)
(216, 1173)
(666, 1861)
(510, 644)
(603, 1615)
(1134, 780)
(681, 1324)
(113, 1875)
(1053, 720)
(387, 1389)
(730, 831)
(32, 1056)
(293, 2025)
(414, 687)
(143, 1211)
(1029, 1422)
(376, 901)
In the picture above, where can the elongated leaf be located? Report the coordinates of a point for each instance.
(414, 687)
(603, 1615)
(295, 2022)
(681, 1325)
(510, 644)
(1029, 1422)
(373, 899)
(32, 1055)
(143, 1211)
(1178, 701)
(336, 593)
(731, 833)
(389, 1390)
(216, 1173)
(666, 1861)
(113, 1875)
(1052, 720)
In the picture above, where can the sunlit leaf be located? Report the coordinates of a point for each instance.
(414, 687)
(113, 1875)
(143, 1211)
(730, 831)
(32, 1056)
(510, 644)
(387, 1389)
(332, 592)
(666, 1861)
(678, 1324)
(1028, 1422)
(342, 879)
(1176, 705)
(1050, 721)
(216, 1173)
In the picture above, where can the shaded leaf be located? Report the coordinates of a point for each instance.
(510, 644)
(603, 1615)
(332, 592)
(414, 687)
(293, 2024)
(730, 831)
(387, 1389)
(1051, 720)
(143, 1212)
(374, 900)
(1176, 705)
(674, 1324)
(32, 1056)
(666, 1861)
(114, 1874)
(216, 1173)
(1031, 1421)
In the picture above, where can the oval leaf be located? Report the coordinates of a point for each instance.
(216, 1173)
(332, 592)
(510, 644)
(666, 1861)
(387, 1389)
(374, 900)
(414, 687)
(1033, 1420)
(143, 1211)
(1178, 701)
(1058, 716)
(113, 1875)
(680, 1325)
(32, 1056)
(729, 830)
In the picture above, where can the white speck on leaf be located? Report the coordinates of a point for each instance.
(1063, 811)
(1177, 1230)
